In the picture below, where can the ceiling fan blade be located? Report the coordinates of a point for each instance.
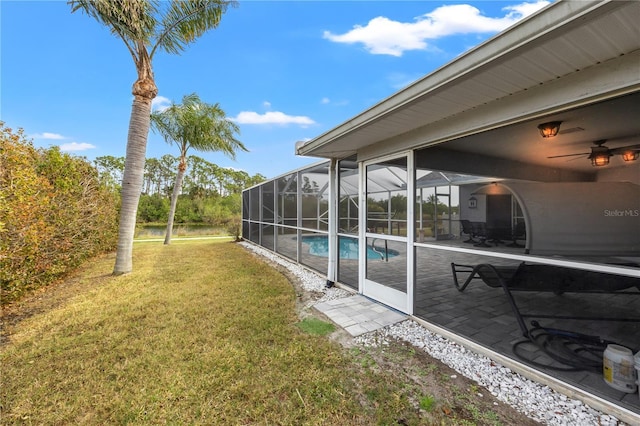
(577, 158)
(622, 149)
(569, 155)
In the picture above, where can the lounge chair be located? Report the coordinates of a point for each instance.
(545, 278)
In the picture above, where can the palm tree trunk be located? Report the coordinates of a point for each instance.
(174, 201)
(132, 182)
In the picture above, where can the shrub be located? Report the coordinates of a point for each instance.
(54, 214)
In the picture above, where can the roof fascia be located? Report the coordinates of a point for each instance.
(553, 17)
(611, 79)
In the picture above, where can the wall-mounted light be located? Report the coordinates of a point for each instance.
(599, 156)
(630, 155)
(550, 129)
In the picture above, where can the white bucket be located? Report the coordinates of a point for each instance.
(618, 368)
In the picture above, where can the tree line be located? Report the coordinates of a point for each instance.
(202, 177)
(210, 193)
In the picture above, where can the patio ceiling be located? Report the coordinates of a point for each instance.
(575, 62)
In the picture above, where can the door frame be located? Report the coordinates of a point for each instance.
(402, 301)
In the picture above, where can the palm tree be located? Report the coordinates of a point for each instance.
(194, 124)
(146, 27)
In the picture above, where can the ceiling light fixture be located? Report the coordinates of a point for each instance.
(630, 155)
(550, 129)
(599, 156)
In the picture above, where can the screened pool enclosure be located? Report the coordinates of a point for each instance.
(420, 222)
(291, 214)
(447, 200)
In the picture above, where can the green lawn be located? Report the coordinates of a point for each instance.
(201, 332)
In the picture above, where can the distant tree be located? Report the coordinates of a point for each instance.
(195, 182)
(202, 179)
(110, 169)
(153, 208)
(198, 125)
(151, 184)
(146, 27)
(254, 180)
(167, 173)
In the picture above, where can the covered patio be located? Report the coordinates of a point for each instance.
(524, 150)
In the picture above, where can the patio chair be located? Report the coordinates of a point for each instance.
(496, 234)
(467, 229)
(545, 278)
(480, 231)
(519, 233)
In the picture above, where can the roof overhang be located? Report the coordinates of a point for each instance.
(569, 55)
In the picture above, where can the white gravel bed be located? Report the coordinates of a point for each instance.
(535, 400)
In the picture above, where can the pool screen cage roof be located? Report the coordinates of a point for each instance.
(380, 179)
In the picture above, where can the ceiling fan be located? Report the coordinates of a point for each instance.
(600, 153)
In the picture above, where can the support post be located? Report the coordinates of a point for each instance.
(332, 266)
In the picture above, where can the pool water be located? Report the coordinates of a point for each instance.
(319, 246)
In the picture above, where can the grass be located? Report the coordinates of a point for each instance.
(201, 332)
(180, 230)
(427, 402)
(316, 327)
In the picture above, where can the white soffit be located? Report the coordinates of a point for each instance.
(562, 40)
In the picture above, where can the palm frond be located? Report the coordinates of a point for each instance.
(186, 20)
(198, 125)
(166, 123)
(132, 20)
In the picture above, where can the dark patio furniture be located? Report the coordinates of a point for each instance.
(480, 230)
(467, 228)
(545, 278)
(498, 233)
(519, 233)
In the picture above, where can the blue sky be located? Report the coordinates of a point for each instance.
(284, 71)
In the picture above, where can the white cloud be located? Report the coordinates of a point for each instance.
(266, 104)
(76, 146)
(525, 9)
(383, 36)
(272, 117)
(327, 101)
(47, 135)
(65, 147)
(160, 103)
